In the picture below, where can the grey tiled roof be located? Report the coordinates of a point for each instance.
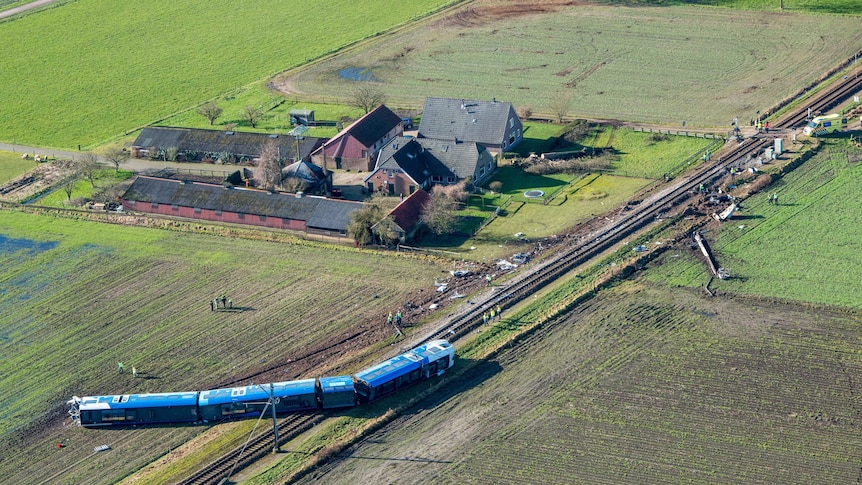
(316, 211)
(217, 141)
(421, 158)
(468, 120)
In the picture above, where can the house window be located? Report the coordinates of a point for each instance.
(240, 215)
(262, 218)
(436, 179)
(154, 205)
(285, 220)
(511, 122)
(411, 188)
(197, 210)
(482, 172)
(175, 207)
(217, 212)
(390, 173)
(452, 180)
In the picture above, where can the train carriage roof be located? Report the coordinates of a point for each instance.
(256, 392)
(433, 349)
(391, 369)
(336, 384)
(135, 401)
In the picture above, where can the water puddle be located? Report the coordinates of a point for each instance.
(357, 74)
(12, 245)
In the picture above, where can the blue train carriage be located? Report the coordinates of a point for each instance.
(250, 401)
(336, 392)
(423, 362)
(169, 407)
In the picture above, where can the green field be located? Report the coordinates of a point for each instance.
(77, 297)
(82, 189)
(12, 165)
(93, 70)
(639, 385)
(808, 247)
(669, 65)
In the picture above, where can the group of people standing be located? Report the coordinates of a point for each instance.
(492, 315)
(122, 368)
(221, 302)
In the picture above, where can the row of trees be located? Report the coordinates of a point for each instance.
(365, 95)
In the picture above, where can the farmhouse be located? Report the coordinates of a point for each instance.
(492, 124)
(356, 147)
(406, 216)
(310, 214)
(230, 147)
(408, 164)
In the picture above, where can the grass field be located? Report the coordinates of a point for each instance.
(12, 165)
(671, 64)
(82, 188)
(95, 69)
(805, 248)
(640, 385)
(77, 297)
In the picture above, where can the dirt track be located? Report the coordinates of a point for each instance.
(24, 8)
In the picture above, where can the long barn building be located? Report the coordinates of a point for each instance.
(220, 203)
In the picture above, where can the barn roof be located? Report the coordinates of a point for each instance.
(217, 141)
(468, 120)
(368, 129)
(409, 211)
(318, 212)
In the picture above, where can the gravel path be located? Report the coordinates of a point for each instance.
(24, 8)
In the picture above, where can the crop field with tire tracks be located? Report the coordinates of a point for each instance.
(643, 384)
(77, 297)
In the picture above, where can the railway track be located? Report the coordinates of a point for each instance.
(289, 428)
(542, 274)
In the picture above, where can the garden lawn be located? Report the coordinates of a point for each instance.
(577, 199)
(77, 297)
(93, 70)
(12, 165)
(808, 247)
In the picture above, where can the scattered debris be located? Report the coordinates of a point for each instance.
(456, 295)
(460, 273)
(101, 448)
(640, 248)
(521, 258)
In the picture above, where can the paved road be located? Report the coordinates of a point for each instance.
(24, 8)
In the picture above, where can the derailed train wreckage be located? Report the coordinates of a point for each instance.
(383, 379)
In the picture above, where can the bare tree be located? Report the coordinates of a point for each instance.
(210, 111)
(439, 213)
(116, 154)
(366, 95)
(560, 106)
(525, 112)
(268, 171)
(292, 183)
(252, 115)
(109, 193)
(87, 166)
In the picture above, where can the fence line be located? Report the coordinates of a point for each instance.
(426, 250)
(695, 134)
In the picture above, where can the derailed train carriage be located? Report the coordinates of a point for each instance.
(383, 379)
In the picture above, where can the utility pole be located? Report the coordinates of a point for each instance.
(275, 447)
